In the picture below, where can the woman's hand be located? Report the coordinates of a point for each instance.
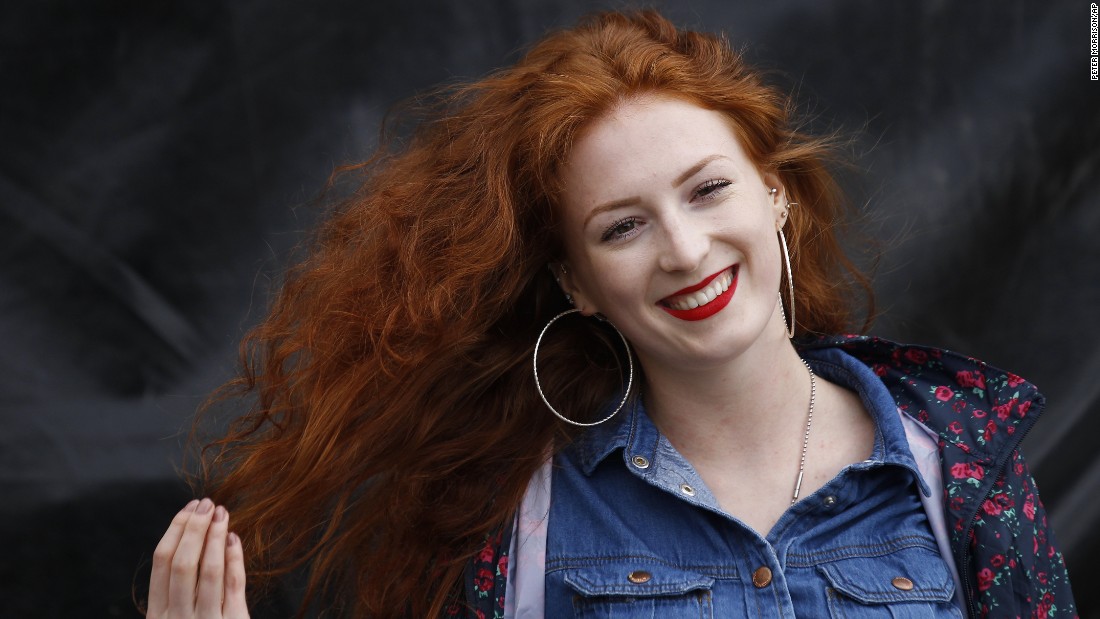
(198, 567)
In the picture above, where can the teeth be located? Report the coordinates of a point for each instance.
(704, 296)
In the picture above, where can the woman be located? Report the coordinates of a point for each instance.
(628, 211)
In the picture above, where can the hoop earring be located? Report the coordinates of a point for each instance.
(790, 286)
(538, 384)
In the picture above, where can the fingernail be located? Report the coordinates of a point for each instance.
(220, 514)
(190, 507)
(233, 539)
(205, 506)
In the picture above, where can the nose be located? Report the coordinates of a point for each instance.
(685, 245)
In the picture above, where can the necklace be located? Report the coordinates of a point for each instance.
(806, 437)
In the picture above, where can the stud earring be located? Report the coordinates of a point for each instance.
(557, 278)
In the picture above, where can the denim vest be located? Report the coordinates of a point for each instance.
(634, 532)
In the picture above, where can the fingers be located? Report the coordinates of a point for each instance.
(198, 567)
(235, 606)
(185, 563)
(162, 561)
(208, 598)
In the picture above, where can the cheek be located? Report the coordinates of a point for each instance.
(617, 284)
(613, 281)
(772, 264)
(757, 248)
(767, 247)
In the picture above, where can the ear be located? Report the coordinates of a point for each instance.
(778, 198)
(564, 275)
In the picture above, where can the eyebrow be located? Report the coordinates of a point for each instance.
(693, 170)
(610, 206)
(680, 180)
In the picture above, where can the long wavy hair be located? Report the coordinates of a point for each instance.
(395, 422)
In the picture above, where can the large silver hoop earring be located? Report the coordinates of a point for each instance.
(790, 286)
(538, 384)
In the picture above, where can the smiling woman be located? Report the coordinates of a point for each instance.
(401, 453)
(699, 227)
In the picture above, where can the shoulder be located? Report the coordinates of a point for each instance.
(980, 414)
(969, 404)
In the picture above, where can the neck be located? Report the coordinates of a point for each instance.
(738, 406)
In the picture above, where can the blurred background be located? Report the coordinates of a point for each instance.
(160, 160)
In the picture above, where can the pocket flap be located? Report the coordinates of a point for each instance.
(637, 579)
(909, 575)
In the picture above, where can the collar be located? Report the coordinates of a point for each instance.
(621, 431)
(634, 434)
(891, 444)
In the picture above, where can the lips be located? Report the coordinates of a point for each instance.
(704, 299)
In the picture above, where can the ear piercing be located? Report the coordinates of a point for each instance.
(557, 278)
(772, 191)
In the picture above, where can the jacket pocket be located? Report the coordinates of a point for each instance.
(626, 591)
(910, 583)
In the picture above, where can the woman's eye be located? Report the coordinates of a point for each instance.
(709, 189)
(620, 228)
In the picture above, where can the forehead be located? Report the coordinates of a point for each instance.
(646, 139)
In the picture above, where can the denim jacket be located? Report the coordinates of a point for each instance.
(997, 527)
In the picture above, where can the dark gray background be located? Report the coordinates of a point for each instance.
(159, 160)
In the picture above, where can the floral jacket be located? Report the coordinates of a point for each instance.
(999, 534)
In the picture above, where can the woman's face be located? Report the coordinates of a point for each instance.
(670, 231)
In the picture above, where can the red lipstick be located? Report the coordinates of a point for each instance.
(703, 311)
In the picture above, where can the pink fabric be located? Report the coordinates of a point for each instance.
(525, 595)
(923, 445)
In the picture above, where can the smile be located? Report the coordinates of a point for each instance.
(704, 299)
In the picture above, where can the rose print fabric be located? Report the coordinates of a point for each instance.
(486, 580)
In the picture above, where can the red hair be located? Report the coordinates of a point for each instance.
(396, 421)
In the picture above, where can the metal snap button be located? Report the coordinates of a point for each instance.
(829, 501)
(686, 489)
(902, 583)
(639, 576)
(640, 462)
(762, 577)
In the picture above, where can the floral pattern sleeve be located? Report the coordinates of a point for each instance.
(1023, 565)
(486, 579)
